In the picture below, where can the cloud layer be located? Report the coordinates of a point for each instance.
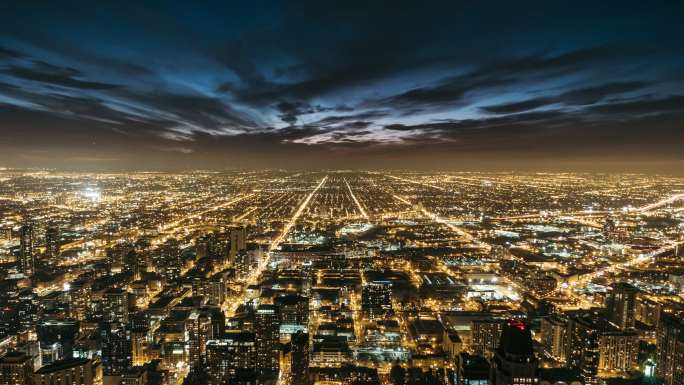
(299, 83)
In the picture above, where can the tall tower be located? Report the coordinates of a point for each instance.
(52, 244)
(237, 242)
(267, 330)
(299, 366)
(117, 352)
(514, 361)
(670, 350)
(26, 257)
(622, 305)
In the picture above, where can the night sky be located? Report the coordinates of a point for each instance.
(424, 85)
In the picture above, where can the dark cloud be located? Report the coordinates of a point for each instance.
(591, 95)
(54, 75)
(525, 105)
(6, 53)
(578, 97)
(674, 103)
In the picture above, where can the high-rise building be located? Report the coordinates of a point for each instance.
(299, 363)
(622, 305)
(485, 335)
(80, 295)
(376, 299)
(584, 332)
(618, 353)
(294, 312)
(67, 372)
(229, 355)
(670, 350)
(514, 361)
(52, 245)
(554, 337)
(201, 330)
(26, 254)
(16, 369)
(117, 351)
(238, 243)
(115, 305)
(267, 331)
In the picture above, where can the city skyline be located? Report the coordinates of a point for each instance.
(544, 86)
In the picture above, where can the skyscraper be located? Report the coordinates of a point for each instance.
(622, 305)
(670, 350)
(237, 242)
(584, 332)
(229, 355)
(618, 352)
(26, 257)
(299, 364)
(376, 299)
(485, 336)
(115, 305)
(554, 336)
(514, 360)
(267, 330)
(52, 244)
(117, 352)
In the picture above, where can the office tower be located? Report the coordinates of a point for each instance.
(299, 359)
(670, 350)
(294, 312)
(212, 289)
(138, 325)
(485, 335)
(554, 337)
(622, 305)
(618, 353)
(201, 329)
(229, 355)
(80, 295)
(115, 305)
(514, 362)
(237, 243)
(77, 371)
(242, 264)
(267, 332)
(52, 244)
(584, 332)
(16, 368)
(26, 257)
(376, 299)
(117, 352)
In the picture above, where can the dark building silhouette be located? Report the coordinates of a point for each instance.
(622, 305)
(299, 351)
(514, 361)
(231, 355)
(376, 299)
(117, 351)
(52, 246)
